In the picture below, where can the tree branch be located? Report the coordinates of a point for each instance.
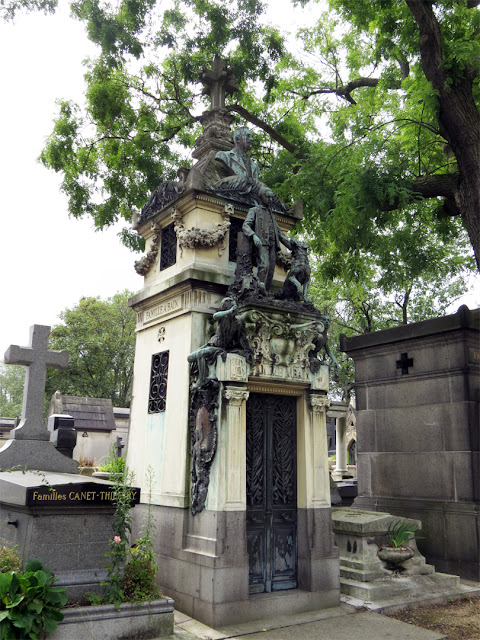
(432, 186)
(273, 133)
(345, 90)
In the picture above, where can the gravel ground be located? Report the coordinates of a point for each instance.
(458, 620)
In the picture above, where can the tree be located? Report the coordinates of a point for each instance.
(388, 156)
(12, 378)
(100, 338)
(437, 48)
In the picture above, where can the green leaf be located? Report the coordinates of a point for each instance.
(5, 582)
(33, 565)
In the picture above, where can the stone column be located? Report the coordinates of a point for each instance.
(321, 482)
(341, 449)
(235, 453)
(318, 567)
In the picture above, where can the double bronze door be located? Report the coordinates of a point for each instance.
(271, 492)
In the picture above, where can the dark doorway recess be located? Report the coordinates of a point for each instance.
(272, 492)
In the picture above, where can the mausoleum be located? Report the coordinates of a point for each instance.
(230, 389)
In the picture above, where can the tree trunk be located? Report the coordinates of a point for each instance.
(459, 119)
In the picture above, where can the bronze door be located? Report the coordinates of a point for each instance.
(271, 492)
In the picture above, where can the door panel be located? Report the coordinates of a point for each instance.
(271, 492)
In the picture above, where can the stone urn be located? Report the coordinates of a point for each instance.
(395, 555)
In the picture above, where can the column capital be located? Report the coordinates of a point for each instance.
(318, 403)
(236, 395)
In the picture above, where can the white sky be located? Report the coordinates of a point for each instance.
(47, 260)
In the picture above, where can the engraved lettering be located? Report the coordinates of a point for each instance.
(162, 309)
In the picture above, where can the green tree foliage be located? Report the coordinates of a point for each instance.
(12, 378)
(373, 300)
(143, 105)
(370, 118)
(8, 8)
(100, 338)
(383, 160)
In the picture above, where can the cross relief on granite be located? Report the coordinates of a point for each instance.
(37, 357)
(404, 363)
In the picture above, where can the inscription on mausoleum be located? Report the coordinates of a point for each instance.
(475, 355)
(89, 493)
(163, 309)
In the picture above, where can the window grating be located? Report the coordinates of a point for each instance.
(168, 247)
(158, 383)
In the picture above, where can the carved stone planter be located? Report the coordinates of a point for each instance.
(395, 555)
(148, 620)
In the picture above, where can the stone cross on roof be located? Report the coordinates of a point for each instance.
(37, 358)
(218, 81)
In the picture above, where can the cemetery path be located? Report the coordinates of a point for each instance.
(458, 620)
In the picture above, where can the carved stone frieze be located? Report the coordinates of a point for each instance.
(197, 237)
(284, 345)
(143, 265)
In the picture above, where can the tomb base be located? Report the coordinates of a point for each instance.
(64, 520)
(360, 535)
(206, 572)
(450, 530)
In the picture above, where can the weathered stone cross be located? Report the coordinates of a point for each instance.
(37, 358)
(218, 81)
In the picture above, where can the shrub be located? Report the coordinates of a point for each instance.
(29, 603)
(10, 559)
(113, 464)
(138, 583)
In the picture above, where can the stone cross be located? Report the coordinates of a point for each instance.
(37, 358)
(404, 363)
(218, 81)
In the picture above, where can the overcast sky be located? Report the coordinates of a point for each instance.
(47, 260)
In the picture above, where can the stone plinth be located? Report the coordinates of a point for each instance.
(359, 536)
(417, 393)
(64, 520)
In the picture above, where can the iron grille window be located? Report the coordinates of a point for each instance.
(158, 383)
(235, 228)
(168, 247)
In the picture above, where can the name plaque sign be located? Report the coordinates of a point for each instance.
(88, 493)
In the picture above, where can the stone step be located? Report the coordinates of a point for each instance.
(360, 574)
(361, 564)
(396, 585)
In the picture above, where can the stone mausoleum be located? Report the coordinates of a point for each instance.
(418, 391)
(230, 389)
